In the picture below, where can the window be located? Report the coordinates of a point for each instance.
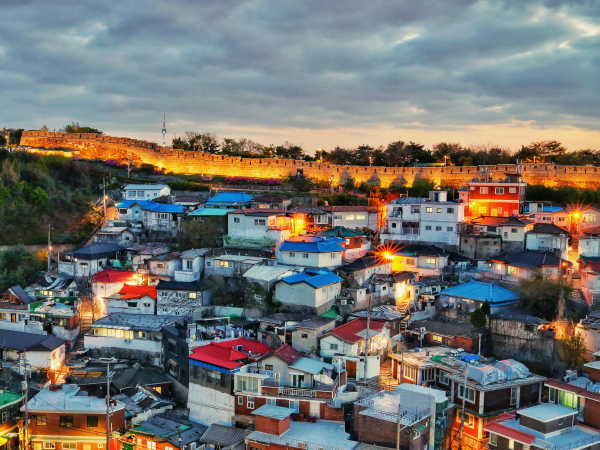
(66, 421)
(40, 421)
(513, 230)
(512, 190)
(193, 295)
(48, 445)
(272, 401)
(588, 218)
(348, 241)
(294, 405)
(561, 421)
(410, 372)
(513, 396)
(151, 445)
(268, 366)
(162, 216)
(499, 209)
(469, 420)
(142, 334)
(236, 220)
(430, 260)
(416, 434)
(470, 397)
(292, 254)
(324, 290)
(393, 224)
(483, 190)
(429, 209)
(410, 261)
(427, 227)
(240, 400)
(305, 255)
(260, 222)
(333, 346)
(349, 216)
(438, 228)
(483, 209)
(444, 378)
(567, 399)
(69, 445)
(515, 212)
(160, 265)
(92, 421)
(449, 228)
(436, 338)
(561, 219)
(493, 439)
(361, 217)
(499, 191)
(132, 304)
(84, 265)
(450, 210)
(428, 375)
(439, 210)
(511, 444)
(250, 402)
(333, 256)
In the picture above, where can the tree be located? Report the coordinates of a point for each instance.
(76, 128)
(289, 151)
(478, 318)
(179, 144)
(542, 151)
(349, 184)
(541, 294)
(15, 136)
(421, 187)
(486, 308)
(196, 234)
(230, 146)
(303, 184)
(44, 128)
(2, 140)
(572, 349)
(339, 156)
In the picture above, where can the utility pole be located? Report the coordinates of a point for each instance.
(367, 339)
(104, 195)
(398, 427)
(49, 248)
(107, 405)
(179, 430)
(402, 368)
(462, 416)
(25, 387)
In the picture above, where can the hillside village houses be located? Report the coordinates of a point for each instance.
(279, 323)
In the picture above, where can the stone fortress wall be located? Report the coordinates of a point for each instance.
(91, 146)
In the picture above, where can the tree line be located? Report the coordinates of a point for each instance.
(396, 154)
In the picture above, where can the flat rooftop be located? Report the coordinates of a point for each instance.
(577, 437)
(68, 398)
(547, 412)
(314, 435)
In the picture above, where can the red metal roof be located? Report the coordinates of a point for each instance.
(113, 276)
(581, 392)
(509, 433)
(224, 353)
(286, 353)
(131, 291)
(349, 331)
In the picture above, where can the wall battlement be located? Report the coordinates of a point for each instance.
(92, 146)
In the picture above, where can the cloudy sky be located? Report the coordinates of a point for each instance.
(317, 73)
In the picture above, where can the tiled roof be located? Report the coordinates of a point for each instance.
(286, 353)
(350, 331)
(580, 391)
(113, 276)
(314, 278)
(315, 322)
(477, 290)
(591, 231)
(369, 260)
(450, 329)
(131, 292)
(149, 205)
(501, 221)
(306, 210)
(257, 211)
(510, 433)
(138, 187)
(224, 354)
(223, 436)
(97, 249)
(548, 228)
(270, 198)
(20, 293)
(371, 209)
(530, 259)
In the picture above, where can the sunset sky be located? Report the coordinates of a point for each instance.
(314, 73)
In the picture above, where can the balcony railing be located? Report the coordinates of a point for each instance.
(265, 438)
(584, 442)
(299, 391)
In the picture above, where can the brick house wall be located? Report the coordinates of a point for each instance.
(272, 426)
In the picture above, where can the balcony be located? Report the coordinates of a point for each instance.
(279, 227)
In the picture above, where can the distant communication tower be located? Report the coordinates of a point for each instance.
(164, 130)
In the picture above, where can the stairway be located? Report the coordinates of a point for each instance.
(85, 321)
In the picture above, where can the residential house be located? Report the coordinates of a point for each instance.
(306, 219)
(229, 200)
(267, 276)
(427, 288)
(279, 426)
(312, 290)
(276, 330)
(492, 388)
(450, 334)
(162, 267)
(589, 329)
(89, 260)
(270, 201)
(145, 191)
(131, 336)
(285, 378)
(133, 299)
(393, 286)
(59, 317)
(190, 199)
(62, 415)
(176, 351)
(311, 251)
(122, 235)
(105, 284)
(306, 334)
(363, 268)
(511, 229)
(215, 218)
(393, 315)
(161, 432)
(155, 217)
(461, 300)
(261, 226)
(589, 242)
(502, 197)
(10, 412)
(212, 369)
(181, 298)
(353, 217)
(138, 254)
(346, 346)
(142, 403)
(126, 379)
(515, 266)
(585, 219)
(589, 268)
(547, 237)
(544, 213)
(355, 243)
(47, 286)
(376, 419)
(217, 260)
(14, 308)
(425, 260)
(541, 427)
(224, 437)
(192, 265)
(44, 352)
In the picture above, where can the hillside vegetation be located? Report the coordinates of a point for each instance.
(37, 191)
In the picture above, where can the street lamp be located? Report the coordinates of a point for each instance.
(370, 161)
(319, 151)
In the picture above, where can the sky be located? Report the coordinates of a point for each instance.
(312, 72)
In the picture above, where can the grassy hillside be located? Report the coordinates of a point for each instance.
(39, 190)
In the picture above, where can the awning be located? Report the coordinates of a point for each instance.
(420, 428)
(3, 440)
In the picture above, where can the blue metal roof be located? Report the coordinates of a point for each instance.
(210, 212)
(547, 209)
(229, 198)
(315, 278)
(149, 205)
(476, 290)
(313, 244)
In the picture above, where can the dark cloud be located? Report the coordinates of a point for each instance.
(312, 64)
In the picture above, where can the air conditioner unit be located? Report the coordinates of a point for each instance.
(342, 302)
(192, 446)
(127, 341)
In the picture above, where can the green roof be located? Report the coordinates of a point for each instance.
(7, 398)
(332, 312)
(589, 259)
(340, 231)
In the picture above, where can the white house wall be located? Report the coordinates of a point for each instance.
(305, 295)
(145, 345)
(209, 406)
